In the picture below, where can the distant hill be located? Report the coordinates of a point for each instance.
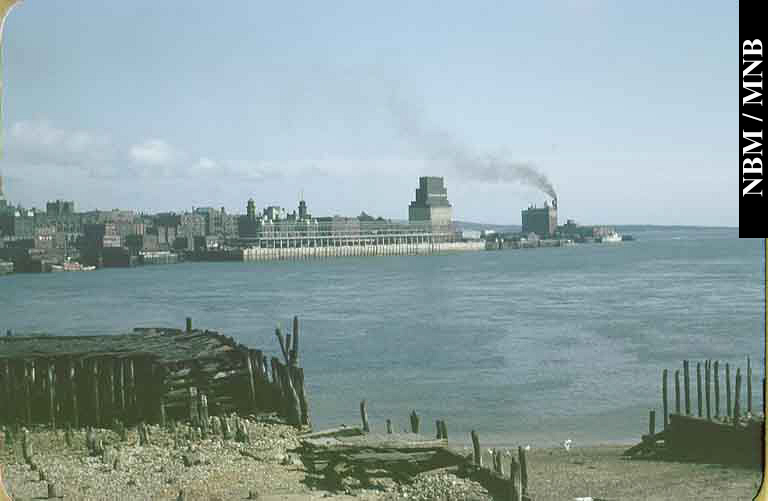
(499, 228)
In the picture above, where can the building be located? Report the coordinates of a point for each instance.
(540, 220)
(431, 202)
(17, 222)
(3, 201)
(59, 208)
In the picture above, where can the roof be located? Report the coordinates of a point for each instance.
(165, 345)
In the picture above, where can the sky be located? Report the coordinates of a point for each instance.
(628, 109)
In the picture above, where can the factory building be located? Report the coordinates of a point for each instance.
(541, 220)
(431, 202)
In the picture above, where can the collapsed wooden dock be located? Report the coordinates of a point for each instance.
(354, 457)
(148, 375)
(717, 431)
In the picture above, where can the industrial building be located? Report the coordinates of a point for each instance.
(431, 202)
(540, 220)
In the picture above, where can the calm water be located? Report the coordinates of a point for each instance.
(526, 346)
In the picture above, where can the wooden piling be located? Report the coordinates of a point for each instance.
(297, 375)
(95, 400)
(295, 347)
(283, 348)
(189, 324)
(687, 387)
(389, 426)
(698, 387)
(204, 413)
(664, 397)
(51, 393)
(53, 492)
(251, 379)
(364, 416)
(162, 412)
(29, 376)
(444, 429)
(717, 389)
(707, 385)
(192, 406)
(737, 397)
(749, 387)
(523, 470)
(292, 402)
(477, 458)
(677, 392)
(26, 447)
(515, 490)
(439, 430)
(651, 423)
(414, 422)
(728, 389)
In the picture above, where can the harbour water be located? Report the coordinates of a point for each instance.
(525, 346)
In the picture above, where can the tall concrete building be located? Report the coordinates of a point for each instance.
(540, 220)
(3, 202)
(431, 202)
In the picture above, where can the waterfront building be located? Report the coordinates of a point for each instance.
(540, 220)
(59, 208)
(3, 201)
(17, 222)
(431, 202)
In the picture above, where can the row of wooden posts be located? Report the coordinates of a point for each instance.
(518, 467)
(731, 411)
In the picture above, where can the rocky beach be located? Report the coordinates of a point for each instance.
(265, 462)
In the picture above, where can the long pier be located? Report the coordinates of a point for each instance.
(283, 249)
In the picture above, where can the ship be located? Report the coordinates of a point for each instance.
(610, 238)
(71, 266)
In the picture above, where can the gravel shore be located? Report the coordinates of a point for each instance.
(204, 469)
(266, 469)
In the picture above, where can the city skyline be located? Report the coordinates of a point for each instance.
(165, 107)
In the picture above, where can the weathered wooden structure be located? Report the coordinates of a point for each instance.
(727, 435)
(150, 375)
(356, 457)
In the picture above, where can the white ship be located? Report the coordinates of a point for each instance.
(611, 238)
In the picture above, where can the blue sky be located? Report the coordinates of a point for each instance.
(629, 109)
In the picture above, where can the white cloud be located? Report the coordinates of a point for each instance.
(155, 153)
(34, 143)
(206, 163)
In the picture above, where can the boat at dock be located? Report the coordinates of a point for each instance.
(71, 266)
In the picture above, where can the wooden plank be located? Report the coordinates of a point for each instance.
(333, 432)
